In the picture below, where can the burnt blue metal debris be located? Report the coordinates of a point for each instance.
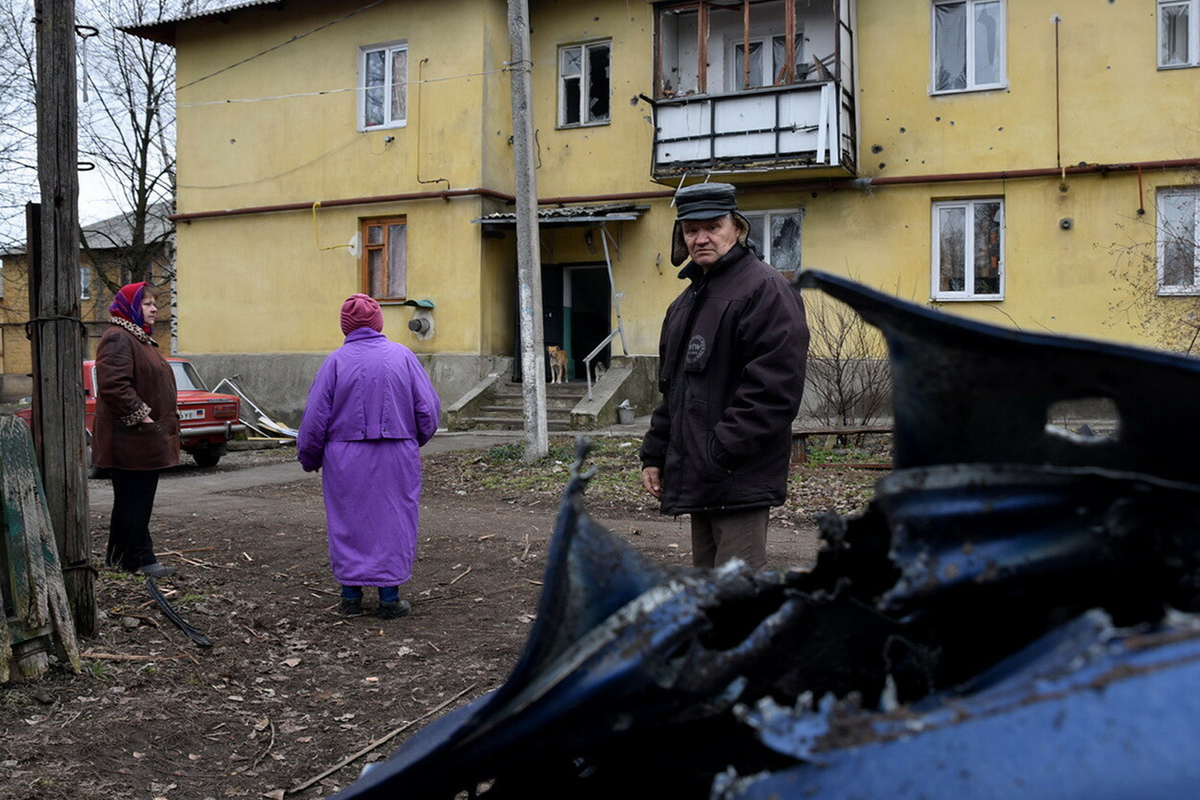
(1013, 615)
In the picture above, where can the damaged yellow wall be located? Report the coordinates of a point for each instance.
(279, 128)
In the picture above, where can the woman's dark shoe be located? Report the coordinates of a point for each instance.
(350, 607)
(156, 570)
(400, 608)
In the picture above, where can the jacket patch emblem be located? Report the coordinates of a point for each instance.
(696, 348)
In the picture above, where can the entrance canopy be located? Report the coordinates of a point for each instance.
(573, 217)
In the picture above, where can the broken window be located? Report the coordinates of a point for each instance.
(1178, 33)
(1178, 241)
(709, 46)
(383, 74)
(968, 250)
(583, 84)
(968, 45)
(777, 234)
(766, 63)
(385, 258)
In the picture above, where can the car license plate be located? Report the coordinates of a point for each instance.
(191, 413)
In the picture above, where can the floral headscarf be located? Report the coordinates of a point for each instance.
(127, 305)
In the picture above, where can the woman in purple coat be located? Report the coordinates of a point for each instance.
(370, 408)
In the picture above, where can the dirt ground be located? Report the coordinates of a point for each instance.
(292, 695)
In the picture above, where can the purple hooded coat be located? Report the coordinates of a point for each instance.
(370, 408)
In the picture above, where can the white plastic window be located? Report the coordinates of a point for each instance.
(1179, 241)
(383, 97)
(968, 250)
(1178, 33)
(777, 234)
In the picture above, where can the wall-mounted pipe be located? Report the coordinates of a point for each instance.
(345, 201)
(825, 184)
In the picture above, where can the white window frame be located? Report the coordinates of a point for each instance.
(766, 221)
(1185, 228)
(584, 80)
(971, 7)
(390, 117)
(85, 283)
(968, 293)
(1190, 36)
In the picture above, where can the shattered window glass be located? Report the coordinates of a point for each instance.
(715, 46)
(777, 236)
(583, 84)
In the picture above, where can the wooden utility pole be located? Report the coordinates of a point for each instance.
(56, 330)
(529, 260)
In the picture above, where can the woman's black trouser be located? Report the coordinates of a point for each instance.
(129, 545)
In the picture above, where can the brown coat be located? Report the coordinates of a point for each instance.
(132, 382)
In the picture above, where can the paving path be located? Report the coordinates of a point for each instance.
(189, 490)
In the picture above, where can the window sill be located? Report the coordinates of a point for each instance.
(389, 127)
(978, 298)
(1178, 291)
(998, 87)
(1169, 67)
(576, 125)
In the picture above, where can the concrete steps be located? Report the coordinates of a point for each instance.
(506, 409)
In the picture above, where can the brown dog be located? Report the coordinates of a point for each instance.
(558, 363)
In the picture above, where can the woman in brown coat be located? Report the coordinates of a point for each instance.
(136, 432)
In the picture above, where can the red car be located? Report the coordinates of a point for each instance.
(207, 421)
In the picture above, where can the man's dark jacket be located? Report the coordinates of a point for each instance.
(731, 372)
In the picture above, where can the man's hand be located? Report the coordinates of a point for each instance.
(652, 480)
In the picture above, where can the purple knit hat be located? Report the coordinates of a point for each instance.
(361, 311)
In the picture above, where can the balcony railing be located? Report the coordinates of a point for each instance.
(804, 125)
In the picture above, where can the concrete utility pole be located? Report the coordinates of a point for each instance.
(56, 330)
(529, 259)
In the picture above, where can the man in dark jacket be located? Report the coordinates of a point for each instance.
(731, 372)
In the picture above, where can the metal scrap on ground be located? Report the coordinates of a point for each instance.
(257, 420)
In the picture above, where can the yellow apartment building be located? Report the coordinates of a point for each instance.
(1003, 160)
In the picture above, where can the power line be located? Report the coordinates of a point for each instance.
(322, 92)
(273, 48)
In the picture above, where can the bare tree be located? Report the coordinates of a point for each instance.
(126, 126)
(18, 119)
(1157, 290)
(128, 129)
(849, 377)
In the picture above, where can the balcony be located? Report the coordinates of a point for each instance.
(773, 128)
(754, 86)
